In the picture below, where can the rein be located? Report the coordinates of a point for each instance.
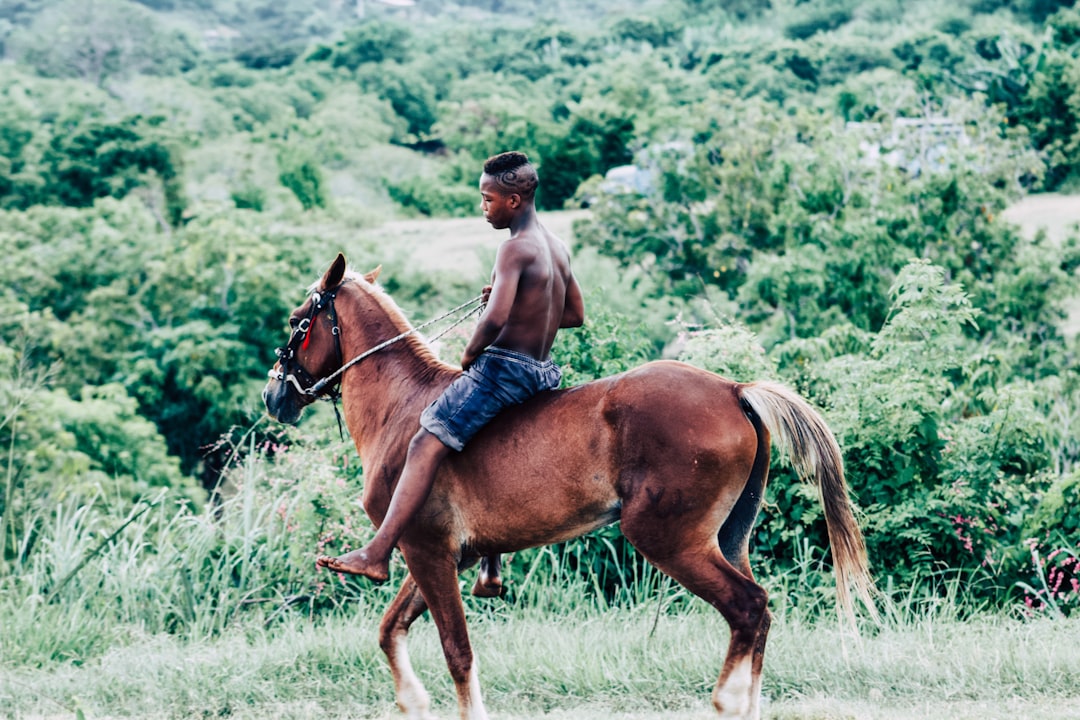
(315, 389)
(293, 373)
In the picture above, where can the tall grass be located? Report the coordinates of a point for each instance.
(163, 610)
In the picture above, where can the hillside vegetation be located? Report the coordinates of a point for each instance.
(818, 196)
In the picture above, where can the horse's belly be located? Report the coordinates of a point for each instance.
(517, 512)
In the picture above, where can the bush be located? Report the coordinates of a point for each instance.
(371, 42)
(941, 473)
(298, 171)
(1054, 519)
(433, 197)
(817, 21)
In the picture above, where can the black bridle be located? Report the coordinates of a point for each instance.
(291, 371)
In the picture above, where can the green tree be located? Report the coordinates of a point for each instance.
(97, 39)
(595, 137)
(411, 96)
(98, 159)
(1051, 110)
(374, 41)
(299, 172)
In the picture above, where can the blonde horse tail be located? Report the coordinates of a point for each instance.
(801, 434)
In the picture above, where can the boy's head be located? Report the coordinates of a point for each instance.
(512, 173)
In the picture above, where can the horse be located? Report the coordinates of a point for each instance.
(678, 455)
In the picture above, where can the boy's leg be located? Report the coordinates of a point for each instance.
(373, 560)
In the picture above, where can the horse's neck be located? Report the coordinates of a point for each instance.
(384, 394)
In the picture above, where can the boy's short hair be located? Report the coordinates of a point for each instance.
(513, 173)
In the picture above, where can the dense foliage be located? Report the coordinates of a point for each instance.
(815, 193)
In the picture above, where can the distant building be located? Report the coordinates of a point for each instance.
(219, 37)
(361, 5)
(915, 145)
(628, 179)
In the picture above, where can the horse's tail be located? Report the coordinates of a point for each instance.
(801, 434)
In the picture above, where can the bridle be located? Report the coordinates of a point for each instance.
(291, 371)
(329, 388)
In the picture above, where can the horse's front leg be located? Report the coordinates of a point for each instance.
(435, 572)
(412, 698)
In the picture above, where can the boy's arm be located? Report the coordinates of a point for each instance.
(508, 268)
(574, 310)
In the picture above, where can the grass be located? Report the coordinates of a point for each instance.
(609, 664)
(159, 611)
(193, 615)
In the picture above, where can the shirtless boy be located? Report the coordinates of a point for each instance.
(533, 294)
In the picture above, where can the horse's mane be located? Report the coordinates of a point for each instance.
(415, 341)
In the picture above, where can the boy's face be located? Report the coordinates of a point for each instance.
(498, 207)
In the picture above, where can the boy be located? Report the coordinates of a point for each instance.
(533, 294)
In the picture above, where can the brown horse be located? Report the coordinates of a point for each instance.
(679, 455)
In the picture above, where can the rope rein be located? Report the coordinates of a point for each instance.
(318, 387)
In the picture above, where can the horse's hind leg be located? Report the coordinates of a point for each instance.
(734, 541)
(409, 604)
(735, 551)
(703, 570)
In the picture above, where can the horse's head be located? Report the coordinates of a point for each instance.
(313, 350)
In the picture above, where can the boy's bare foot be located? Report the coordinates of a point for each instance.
(488, 582)
(488, 587)
(357, 562)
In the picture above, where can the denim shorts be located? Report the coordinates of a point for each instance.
(499, 378)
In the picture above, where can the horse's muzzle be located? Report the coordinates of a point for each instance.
(282, 402)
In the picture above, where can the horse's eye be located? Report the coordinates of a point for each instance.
(293, 322)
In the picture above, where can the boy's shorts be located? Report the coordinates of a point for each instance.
(499, 378)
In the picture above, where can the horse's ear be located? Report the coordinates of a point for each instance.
(335, 274)
(373, 275)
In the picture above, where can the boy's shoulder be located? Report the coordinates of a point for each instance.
(524, 244)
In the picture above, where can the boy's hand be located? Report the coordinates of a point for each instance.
(485, 294)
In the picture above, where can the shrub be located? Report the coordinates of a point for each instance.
(817, 21)
(433, 197)
(299, 172)
(370, 42)
(1054, 519)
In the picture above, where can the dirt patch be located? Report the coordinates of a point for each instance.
(465, 245)
(1059, 216)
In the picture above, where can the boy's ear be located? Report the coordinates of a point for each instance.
(515, 200)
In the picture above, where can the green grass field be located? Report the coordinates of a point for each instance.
(588, 665)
